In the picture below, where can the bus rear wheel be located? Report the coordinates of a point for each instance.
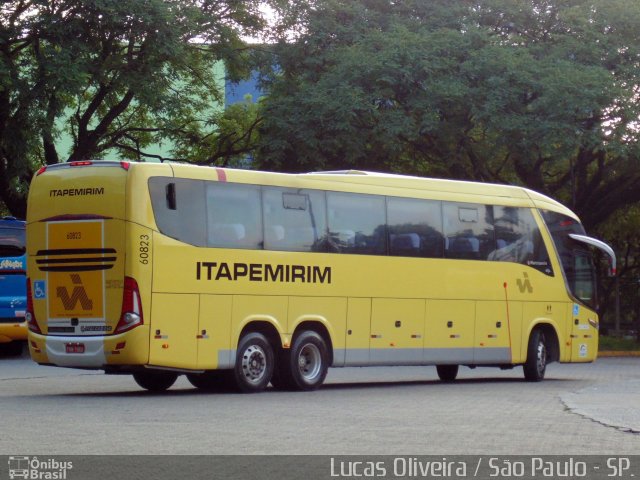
(305, 365)
(536, 364)
(254, 363)
(155, 381)
(447, 373)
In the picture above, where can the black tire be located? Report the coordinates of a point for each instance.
(254, 363)
(304, 366)
(155, 381)
(536, 364)
(213, 381)
(447, 373)
(281, 379)
(11, 349)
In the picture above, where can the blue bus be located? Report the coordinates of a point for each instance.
(13, 285)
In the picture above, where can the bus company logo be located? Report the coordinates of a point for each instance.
(79, 294)
(525, 284)
(36, 469)
(11, 265)
(73, 192)
(259, 272)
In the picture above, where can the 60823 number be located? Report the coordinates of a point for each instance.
(143, 249)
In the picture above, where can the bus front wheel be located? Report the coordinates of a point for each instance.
(155, 381)
(447, 373)
(254, 363)
(536, 364)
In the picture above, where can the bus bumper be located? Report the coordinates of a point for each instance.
(93, 352)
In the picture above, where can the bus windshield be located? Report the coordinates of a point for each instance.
(12, 242)
(576, 259)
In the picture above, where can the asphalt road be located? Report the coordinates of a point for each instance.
(577, 409)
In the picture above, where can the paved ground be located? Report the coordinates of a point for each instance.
(578, 409)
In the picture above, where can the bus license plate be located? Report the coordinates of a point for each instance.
(75, 347)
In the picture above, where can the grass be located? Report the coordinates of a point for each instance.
(617, 344)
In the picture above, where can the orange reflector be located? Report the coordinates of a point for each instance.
(165, 345)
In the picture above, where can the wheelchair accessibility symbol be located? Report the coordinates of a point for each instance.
(39, 289)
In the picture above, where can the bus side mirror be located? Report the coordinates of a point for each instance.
(601, 246)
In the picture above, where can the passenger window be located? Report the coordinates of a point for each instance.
(468, 230)
(178, 208)
(415, 227)
(518, 239)
(356, 223)
(234, 216)
(294, 220)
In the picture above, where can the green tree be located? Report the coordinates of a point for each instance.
(128, 73)
(230, 144)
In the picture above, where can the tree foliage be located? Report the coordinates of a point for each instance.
(114, 74)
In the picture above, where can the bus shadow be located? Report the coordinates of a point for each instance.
(435, 383)
(346, 386)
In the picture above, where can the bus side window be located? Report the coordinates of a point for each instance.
(518, 239)
(468, 230)
(357, 223)
(234, 216)
(415, 227)
(179, 209)
(295, 220)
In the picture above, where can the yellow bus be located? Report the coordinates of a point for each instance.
(247, 278)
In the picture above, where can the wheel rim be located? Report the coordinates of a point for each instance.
(309, 362)
(541, 357)
(254, 364)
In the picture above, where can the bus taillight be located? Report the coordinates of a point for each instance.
(131, 316)
(30, 315)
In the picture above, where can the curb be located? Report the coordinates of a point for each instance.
(619, 353)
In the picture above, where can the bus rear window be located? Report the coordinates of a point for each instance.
(12, 242)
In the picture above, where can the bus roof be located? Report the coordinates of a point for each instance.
(444, 185)
(357, 181)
